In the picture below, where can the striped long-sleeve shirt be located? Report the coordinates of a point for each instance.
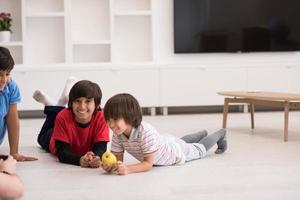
(144, 140)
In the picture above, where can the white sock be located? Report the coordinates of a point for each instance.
(64, 98)
(43, 98)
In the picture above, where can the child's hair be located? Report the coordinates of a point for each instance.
(6, 60)
(123, 106)
(87, 89)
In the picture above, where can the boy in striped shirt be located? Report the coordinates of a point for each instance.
(123, 115)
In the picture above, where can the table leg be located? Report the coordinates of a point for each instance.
(286, 120)
(225, 112)
(252, 115)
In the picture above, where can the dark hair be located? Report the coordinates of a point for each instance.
(88, 89)
(123, 106)
(6, 60)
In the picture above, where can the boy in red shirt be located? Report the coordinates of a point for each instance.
(78, 134)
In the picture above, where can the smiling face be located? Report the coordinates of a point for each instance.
(119, 126)
(83, 109)
(4, 78)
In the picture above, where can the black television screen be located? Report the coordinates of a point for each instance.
(236, 25)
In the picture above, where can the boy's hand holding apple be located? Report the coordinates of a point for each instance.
(122, 169)
(109, 162)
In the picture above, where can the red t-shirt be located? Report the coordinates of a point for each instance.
(81, 140)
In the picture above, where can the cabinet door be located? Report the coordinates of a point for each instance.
(193, 87)
(143, 84)
(275, 79)
(51, 83)
(294, 79)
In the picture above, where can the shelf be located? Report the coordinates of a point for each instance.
(91, 42)
(46, 14)
(88, 66)
(132, 13)
(11, 43)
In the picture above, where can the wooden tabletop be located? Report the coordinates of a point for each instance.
(277, 96)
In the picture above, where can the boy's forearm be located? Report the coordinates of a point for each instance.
(14, 142)
(13, 129)
(140, 167)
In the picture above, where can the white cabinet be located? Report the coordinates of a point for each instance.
(50, 82)
(199, 86)
(274, 78)
(142, 83)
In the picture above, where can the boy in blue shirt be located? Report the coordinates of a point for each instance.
(9, 97)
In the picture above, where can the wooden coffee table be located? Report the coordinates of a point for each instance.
(274, 99)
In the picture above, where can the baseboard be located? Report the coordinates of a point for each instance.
(23, 114)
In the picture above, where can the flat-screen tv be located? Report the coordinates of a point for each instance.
(202, 26)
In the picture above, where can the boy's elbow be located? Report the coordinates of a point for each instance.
(149, 166)
(61, 158)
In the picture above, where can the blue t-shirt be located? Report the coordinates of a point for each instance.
(9, 95)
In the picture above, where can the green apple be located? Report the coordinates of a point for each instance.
(109, 159)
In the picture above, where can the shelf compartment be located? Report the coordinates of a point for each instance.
(93, 53)
(133, 5)
(128, 29)
(132, 13)
(16, 52)
(43, 6)
(14, 8)
(45, 41)
(46, 14)
(12, 43)
(90, 20)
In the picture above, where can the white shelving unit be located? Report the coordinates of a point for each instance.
(77, 31)
(67, 37)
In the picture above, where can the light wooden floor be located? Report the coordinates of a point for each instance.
(257, 165)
